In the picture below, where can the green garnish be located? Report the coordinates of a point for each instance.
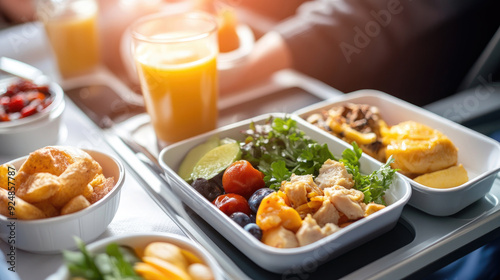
(115, 264)
(279, 149)
(373, 185)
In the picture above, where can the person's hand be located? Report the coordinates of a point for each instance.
(269, 55)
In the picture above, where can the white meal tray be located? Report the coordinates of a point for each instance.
(320, 251)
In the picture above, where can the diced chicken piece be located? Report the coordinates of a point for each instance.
(296, 189)
(280, 237)
(309, 232)
(372, 208)
(308, 180)
(334, 173)
(329, 229)
(347, 201)
(326, 214)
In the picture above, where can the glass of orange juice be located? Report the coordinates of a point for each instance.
(71, 27)
(175, 57)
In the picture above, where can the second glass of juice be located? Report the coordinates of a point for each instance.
(175, 57)
(71, 27)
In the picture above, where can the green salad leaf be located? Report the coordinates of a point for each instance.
(279, 149)
(373, 185)
(115, 264)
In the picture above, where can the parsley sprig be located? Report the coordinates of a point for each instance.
(279, 149)
(373, 185)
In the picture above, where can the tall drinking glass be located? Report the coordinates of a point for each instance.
(175, 57)
(71, 27)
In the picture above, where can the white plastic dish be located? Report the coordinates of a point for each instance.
(479, 154)
(141, 240)
(19, 137)
(290, 259)
(51, 235)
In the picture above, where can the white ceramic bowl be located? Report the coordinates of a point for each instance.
(19, 137)
(51, 235)
(480, 155)
(139, 240)
(282, 260)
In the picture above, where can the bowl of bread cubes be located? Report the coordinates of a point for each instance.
(57, 193)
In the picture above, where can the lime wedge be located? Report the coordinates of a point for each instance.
(216, 160)
(194, 155)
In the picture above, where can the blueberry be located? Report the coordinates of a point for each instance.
(209, 189)
(254, 230)
(256, 198)
(217, 179)
(240, 218)
(253, 218)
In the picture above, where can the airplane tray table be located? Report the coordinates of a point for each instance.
(418, 244)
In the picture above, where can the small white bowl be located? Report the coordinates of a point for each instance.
(19, 137)
(138, 240)
(479, 154)
(51, 235)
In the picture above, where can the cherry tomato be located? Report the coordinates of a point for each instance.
(242, 178)
(231, 202)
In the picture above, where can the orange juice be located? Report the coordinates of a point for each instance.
(180, 89)
(73, 36)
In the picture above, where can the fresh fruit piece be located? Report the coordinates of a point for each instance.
(200, 271)
(194, 155)
(257, 197)
(167, 252)
(254, 230)
(216, 160)
(447, 178)
(17, 103)
(227, 35)
(274, 211)
(231, 202)
(190, 257)
(149, 272)
(28, 111)
(171, 271)
(242, 178)
(208, 188)
(240, 218)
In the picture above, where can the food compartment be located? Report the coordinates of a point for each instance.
(478, 154)
(264, 255)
